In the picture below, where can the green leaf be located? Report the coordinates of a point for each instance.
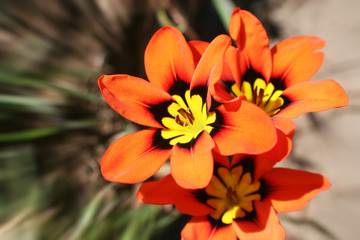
(29, 134)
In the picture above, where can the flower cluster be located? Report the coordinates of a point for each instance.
(222, 115)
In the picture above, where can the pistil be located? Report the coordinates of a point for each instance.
(232, 196)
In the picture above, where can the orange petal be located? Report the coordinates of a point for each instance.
(134, 157)
(166, 191)
(287, 126)
(292, 189)
(210, 57)
(168, 58)
(253, 42)
(199, 228)
(235, 26)
(313, 97)
(246, 128)
(131, 97)
(192, 165)
(296, 59)
(232, 61)
(224, 71)
(266, 226)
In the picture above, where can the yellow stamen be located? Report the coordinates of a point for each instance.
(233, 195)
(186, 125)
(261, 93)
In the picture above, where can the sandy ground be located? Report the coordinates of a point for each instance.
(332, 148)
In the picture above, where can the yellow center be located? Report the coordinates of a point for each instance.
(190, 118)
(261, 93)
(232, 195)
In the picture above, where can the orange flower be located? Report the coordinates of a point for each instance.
(276, 80)
(175, 103)
(241, 201)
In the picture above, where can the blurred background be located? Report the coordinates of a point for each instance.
(55, 125)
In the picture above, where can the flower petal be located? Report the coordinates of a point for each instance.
(168, 58)
(259, 164)
(198, 48)
(296, 59)
(134, 157)
(166, 191)
(225, 72)
(313, 97)
(266, 226)
(282, 148)
(200, 228)
(192, 164)
(131, 97)
(252, 41)
(210, 57)
(245, 129)
(287, 126)
(290, 189)
(222, 160)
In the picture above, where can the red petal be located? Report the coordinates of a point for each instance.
(131, 97)
(133, 158)
(266, 226)
(261, 164)
(292, 189)
(168, 58)
(210, 57)
(246, 129)
(166, 191)
(199, 228)
(282, 148)
(198, 48)
(253, 42)
(296, 59)
(193, 168)
(313, 97)
(222, 160)
(220, 94)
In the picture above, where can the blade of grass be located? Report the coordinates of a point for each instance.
(29, 134)
(16, 80)
(27, 103)
(224, 9)
(89, 213)
(143, 218)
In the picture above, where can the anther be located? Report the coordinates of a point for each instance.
(189, 118)
(258, 98)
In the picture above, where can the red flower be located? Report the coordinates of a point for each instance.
(176, 105)
(241, 200)
(276, 80)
